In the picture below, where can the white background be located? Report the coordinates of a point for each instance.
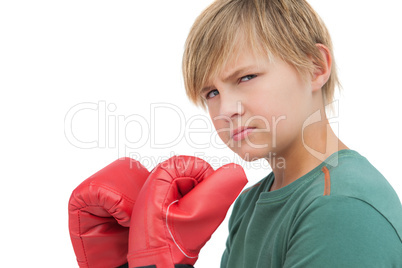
(55, 55)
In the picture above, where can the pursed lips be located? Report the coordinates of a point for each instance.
(241, 132)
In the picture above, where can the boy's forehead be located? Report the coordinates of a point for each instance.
(244, 50)
(243, 59)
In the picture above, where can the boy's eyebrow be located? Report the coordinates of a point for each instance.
(231, 76)
(205, 89)
(238, 72)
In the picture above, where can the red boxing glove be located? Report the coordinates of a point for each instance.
(100, 211)
(182, 203)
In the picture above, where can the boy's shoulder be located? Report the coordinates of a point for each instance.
(352, 177)
(346, 173)
(355, 177)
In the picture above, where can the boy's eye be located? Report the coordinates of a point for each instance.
(247, 77)
(212, 94)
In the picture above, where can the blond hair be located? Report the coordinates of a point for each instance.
(289, 29)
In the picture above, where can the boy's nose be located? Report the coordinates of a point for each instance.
(231, 107)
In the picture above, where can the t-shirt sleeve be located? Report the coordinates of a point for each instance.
(224, 259)
(232, 218)
(234, 221)
(339, 231)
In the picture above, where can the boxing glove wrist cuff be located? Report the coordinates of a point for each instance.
(157, 257)
(161, 256)
(176, 266)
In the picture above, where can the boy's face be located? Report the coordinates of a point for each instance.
(258, 106)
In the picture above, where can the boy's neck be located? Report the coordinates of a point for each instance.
(318, 143)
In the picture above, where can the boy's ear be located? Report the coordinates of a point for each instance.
(322, 71)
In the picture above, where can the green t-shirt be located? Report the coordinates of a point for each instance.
(347, 217)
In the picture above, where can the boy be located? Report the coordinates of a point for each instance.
(266, 72)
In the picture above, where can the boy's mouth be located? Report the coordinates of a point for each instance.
(241, 133)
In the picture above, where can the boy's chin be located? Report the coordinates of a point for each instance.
(251, 155)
